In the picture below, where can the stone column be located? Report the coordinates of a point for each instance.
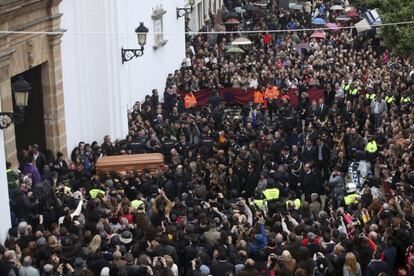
(9, 142)
(6, 106)
(53, 100)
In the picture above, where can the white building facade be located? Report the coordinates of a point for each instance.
(98, 88)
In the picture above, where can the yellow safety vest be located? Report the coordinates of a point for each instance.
(136, 203)
(259, 202)
(353, 91)
(389, 99)
(295, 201)
(345, 87)
(271, 194)
(371, 147)
(352, 198)
(95, 192)
(405, 99)
(370, 96)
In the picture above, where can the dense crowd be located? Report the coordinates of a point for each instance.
(274, 190)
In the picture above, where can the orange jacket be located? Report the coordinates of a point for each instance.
(190, 101)
(258, 97)
(271, 93)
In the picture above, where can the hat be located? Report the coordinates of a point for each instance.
(314, 195)
(48, 268)
(126, 237)
(351, 187)
(79, 262)
(204, 270)
(41, 241)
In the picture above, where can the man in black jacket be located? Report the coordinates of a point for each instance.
(39, 157)
(311, 182)
(376, 265)
(222, 267)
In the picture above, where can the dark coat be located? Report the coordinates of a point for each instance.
(311, 184)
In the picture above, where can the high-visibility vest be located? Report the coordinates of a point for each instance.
(95, 192)
(190, 101)
(345, 87)
(371, 147)
(389, 99)
(136, 203)
(258, 97)
(271, 93)
(271, 194)
(352, 198)
(295, 201)
(259, 203)
(353, 91)
(370, 96)
(405, 99)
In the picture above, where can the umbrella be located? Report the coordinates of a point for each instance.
(337, 8)
(295, 6)
(302, 46)
(230, 14)
(239, 10)
(250, 8)
(319, 21)
(350, 8)
(332, 26)
(343, 17)
(234, 50)
(231, 21)
(318, 35)
(241, 41)
(352, 14)
(261, 3)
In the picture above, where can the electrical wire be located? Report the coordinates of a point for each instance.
(201, 32)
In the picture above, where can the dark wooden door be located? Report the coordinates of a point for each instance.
(32, 130)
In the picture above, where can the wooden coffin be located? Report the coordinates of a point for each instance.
(133, 162)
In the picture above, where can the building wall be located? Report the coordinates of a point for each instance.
(21, 52)
(99, 89)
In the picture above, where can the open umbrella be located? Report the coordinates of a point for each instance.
(234, 50)
(302, 46)
(318, 35)
(318, 21)
(352, 14)
(261, 3)
(295, 6)
(350, 8)
(337, 8)
(332, 26)
(230, 14)
(232, 21)
(241, 41)
(250, 8)
(343, 17)
(239, 10)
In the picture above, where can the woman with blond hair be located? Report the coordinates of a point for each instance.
(287, 264)
(351, 266)
(95, 244)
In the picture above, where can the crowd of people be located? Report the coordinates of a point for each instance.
(266, 192)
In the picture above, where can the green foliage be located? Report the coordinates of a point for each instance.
(399, 38)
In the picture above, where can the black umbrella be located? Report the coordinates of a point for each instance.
(230, 14)
(250, 8)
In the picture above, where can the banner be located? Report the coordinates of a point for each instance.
(242, 96)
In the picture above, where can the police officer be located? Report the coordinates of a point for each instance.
(371, 149)
(352, 196)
